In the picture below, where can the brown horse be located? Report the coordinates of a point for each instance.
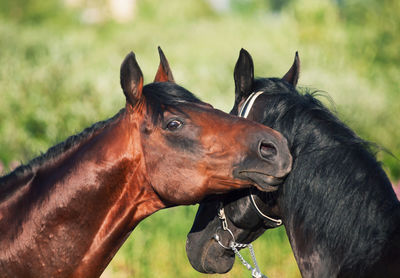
(67, 212)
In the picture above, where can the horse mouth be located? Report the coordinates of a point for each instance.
(262, 181)
(215, 259)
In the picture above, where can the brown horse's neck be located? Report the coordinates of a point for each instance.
(81, 208)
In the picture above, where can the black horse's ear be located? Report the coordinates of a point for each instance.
(292, 76)
(164, 73)
(131, 79)
(243, 75)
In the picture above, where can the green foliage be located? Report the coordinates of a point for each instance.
(58, 76)
(249, 7)
(34, 11)
(377, 40)
(175, 11)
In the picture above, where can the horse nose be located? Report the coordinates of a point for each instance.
(267, 150)
(277, 153)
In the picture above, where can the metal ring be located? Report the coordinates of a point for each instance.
(216, 237)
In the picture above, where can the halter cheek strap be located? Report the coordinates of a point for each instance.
(244, 112)
(248, 104)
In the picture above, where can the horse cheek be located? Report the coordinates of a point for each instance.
(183, 188)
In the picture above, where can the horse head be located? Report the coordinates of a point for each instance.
(248, 213)
(192, 150)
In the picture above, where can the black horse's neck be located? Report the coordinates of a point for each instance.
(339, 209)
(341, 223)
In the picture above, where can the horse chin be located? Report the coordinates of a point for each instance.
(219, 265)
(262, 181)
(213, 258)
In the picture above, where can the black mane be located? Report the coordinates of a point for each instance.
(292, 111)
(337, 191)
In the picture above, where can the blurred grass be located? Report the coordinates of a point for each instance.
(58, 75)
(157, 249)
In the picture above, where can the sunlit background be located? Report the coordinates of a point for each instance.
(59, 73)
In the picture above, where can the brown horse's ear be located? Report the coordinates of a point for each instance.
(292, 76)
(164, 73)
(131, 79)
(243, 75)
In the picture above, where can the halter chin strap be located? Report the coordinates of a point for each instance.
(244, 112)
(275, 222)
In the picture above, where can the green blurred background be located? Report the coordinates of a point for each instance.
(59, 73)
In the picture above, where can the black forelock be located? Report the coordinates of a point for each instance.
(162, 96)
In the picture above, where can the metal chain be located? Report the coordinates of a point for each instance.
(253, 257)
(244, 262)
(255, 271)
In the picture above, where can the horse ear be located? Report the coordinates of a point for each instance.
(164, 73)
(131, 79)
(243, 75)
(292, 76)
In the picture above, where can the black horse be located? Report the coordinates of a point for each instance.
(339, 209)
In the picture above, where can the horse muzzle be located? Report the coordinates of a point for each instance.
(267, 166)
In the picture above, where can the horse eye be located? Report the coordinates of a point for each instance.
(174, 125)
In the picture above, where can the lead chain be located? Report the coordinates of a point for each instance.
(255, 272)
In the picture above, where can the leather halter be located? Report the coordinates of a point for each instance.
(248, 104)
(268, 220)
(244, 112)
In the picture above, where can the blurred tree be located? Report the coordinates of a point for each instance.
(31, 11)
(249, 7)
(374, 27)
(278, 5)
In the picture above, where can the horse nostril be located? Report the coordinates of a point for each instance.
(267, 150)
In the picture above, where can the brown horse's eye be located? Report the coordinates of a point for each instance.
(174, 125)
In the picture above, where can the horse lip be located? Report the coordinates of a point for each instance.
(263, 182)
(206, 269)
